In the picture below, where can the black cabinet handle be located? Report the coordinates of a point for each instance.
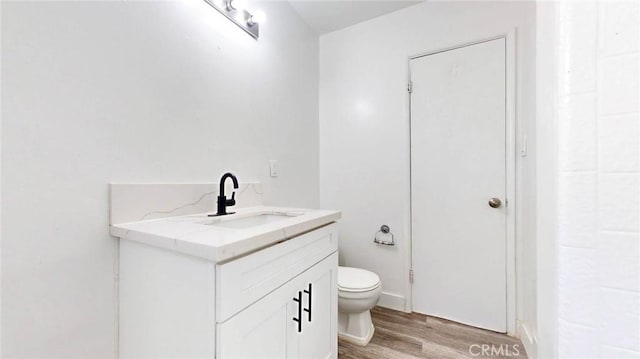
(299, 318)
(308, 310)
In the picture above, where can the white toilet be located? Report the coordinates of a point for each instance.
(358, 291)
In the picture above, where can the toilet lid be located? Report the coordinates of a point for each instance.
(356, 279)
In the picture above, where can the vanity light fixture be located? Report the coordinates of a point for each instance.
(234, 11)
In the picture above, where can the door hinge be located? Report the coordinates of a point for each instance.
(410, 87)
(410, 275)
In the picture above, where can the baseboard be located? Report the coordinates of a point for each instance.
(392, 301)
(528, 339)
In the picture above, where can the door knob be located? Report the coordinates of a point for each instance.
(495, 203)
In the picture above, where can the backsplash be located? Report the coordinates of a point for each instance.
(142, 201)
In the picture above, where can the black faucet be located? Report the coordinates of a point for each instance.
(223, 202)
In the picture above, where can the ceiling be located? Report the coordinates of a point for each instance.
(329, 15)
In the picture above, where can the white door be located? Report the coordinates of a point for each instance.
(458, 149)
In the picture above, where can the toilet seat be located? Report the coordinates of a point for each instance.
(357, 280)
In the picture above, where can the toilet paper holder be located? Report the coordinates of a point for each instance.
(380, 235)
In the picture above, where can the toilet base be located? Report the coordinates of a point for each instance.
(356, 328)
(356, 340)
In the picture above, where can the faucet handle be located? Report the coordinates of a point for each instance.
(232, 201)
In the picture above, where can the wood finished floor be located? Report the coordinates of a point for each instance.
(403, 335)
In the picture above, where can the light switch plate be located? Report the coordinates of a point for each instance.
(274, 168)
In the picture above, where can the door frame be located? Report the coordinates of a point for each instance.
(510, 172)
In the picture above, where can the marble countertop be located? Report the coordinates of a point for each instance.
(214, 239)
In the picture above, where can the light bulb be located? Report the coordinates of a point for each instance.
(257, 18)
(238, 4)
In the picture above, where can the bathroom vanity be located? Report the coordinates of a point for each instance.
(261, 283)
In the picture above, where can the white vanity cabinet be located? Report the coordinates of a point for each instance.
(277, 302)
(293, 321)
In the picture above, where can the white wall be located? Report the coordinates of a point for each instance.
(99, 92)
(598, 227)
(546, 181)
(0, 180)
(364, 130)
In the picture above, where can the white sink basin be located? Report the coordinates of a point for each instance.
(252, 221)
(245, 221)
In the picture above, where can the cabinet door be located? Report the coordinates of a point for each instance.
(267, 328)
(263, 330)
(319, 337)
